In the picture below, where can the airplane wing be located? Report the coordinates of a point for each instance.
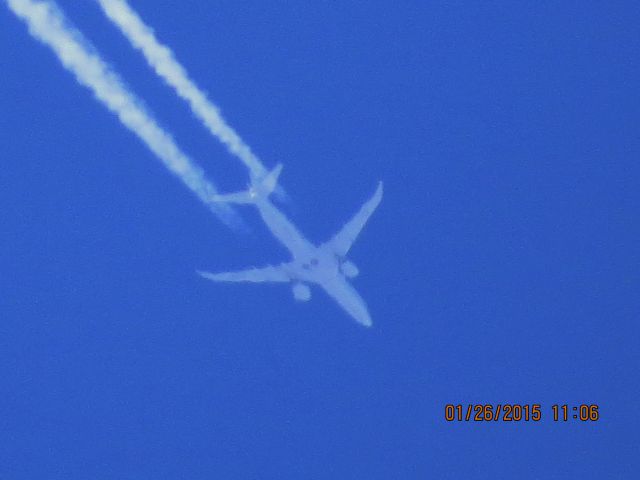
(342, 241)
(347, 297)
(265, 274)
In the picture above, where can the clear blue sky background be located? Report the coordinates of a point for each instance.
(501, 267)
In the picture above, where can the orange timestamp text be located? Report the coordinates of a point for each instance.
(516, 412)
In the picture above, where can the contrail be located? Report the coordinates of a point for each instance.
(48, 24)
(324, 265)
(161, 59)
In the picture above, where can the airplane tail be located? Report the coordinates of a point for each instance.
(261, 188)
(270, 181)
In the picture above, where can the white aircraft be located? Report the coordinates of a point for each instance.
(324, 265)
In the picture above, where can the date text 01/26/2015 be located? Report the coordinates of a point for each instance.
(516, 412)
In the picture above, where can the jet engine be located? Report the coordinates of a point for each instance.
(349, 269)
(301, 292)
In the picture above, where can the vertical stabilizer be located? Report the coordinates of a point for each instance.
(270, 181)
(261, 188)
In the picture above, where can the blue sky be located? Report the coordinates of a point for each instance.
(501, 266)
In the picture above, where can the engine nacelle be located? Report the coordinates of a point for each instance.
(349, 269)
(301, 292)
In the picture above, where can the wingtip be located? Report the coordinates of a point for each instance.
(203, 274)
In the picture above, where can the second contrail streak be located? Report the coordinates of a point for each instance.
(48, 24)
(163, 61)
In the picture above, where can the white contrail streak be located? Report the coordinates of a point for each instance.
(325, 264)
(48, 24)
(161, 59)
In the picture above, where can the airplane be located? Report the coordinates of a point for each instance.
(325, 265)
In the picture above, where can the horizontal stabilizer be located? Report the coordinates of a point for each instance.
(240, 197)
(258, 189)
(270, 181)
(256, 275)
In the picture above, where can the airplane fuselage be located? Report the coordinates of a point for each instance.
(312, 264)
(282, 228)
(324, 265)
